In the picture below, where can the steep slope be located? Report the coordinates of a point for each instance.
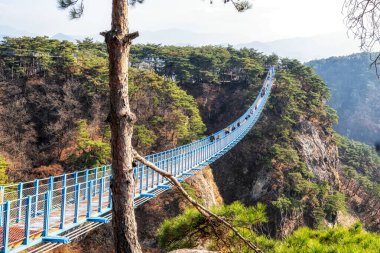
(361, 180)
(355, 93)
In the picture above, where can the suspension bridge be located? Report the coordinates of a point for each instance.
(43, 214)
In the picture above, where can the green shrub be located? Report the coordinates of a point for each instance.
(90, 152)
(191, 228)
(339, 239)
(145, 137)
(3, 170)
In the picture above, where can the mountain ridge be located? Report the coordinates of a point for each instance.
(301, 48)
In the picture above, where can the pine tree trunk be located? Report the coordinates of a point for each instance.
(121, 120)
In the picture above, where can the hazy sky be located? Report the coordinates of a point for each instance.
(267, 20)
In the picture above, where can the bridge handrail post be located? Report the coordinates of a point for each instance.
(51, 183)
(146, 178)
(165, 168)
(201, 154)
(85, 183)
(190, 159)
(20, 188)
(186, 159)
(47, 204)
(152, 172)
(204, 153)
(100, 194)
(36, 193)
(51, 188)
(63, 207)
(64, 180)
(89, 196)
(135, 178)
(179, 162)
(76, 203)
(75, 177)
(184, 162)
(141, 177)
(195, 157)
(29, 202)
(5, 241)
(104, 173)
(171, 165)
(95, 181)
(2, 192)
(110, 194)
(158, 174)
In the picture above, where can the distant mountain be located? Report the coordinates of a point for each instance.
(61, 36)
(12, 32)
(74, 38)
(184, 38)
(308, 48)
(355, 91)
(303, 49)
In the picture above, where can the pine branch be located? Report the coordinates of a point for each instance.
(63, 4)
(76, 7)
(134, 2)
(240, 5)
(203, 210)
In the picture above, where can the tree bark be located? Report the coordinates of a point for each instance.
(121, 120)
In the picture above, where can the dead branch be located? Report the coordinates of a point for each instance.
(203, 210)
(362, 18)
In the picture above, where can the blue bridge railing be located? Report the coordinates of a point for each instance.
(45, 210)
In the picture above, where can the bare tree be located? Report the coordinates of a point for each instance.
(119, 41)
(363, 20)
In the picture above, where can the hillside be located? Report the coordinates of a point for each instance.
(54, 104)
(57, 107)
(355, 93)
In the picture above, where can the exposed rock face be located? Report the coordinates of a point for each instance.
(346, 219)
(150, 215)
(319, 152)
